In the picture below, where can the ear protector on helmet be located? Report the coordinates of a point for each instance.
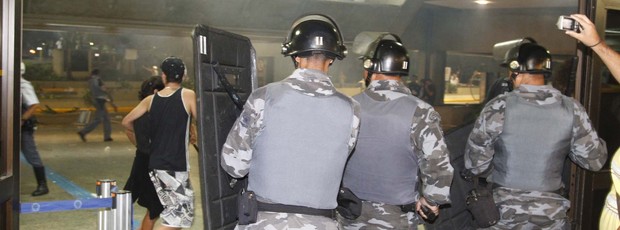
(314, 33)
(387, 56)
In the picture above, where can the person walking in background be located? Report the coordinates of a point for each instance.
(414, 86)
(99, 96)
(171, 111)
(400, 142)
(30, 103)
(139, 182)
(589, 37)
(427, 92)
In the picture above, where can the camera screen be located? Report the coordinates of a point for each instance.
(566, 23)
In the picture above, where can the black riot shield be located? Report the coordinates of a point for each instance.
(225, 76)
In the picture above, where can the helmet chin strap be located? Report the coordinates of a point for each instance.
(294, 62)
(367, 79)
(513, 76)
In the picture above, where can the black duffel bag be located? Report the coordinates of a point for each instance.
(349, 205)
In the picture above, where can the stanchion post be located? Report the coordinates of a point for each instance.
(105, 187)
(122, 209)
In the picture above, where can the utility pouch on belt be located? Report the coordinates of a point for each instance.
(480, 203)
(349, 205)
(247, 208)
(30, 124)
(408, 207)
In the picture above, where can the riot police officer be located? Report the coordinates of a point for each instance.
(522, 138)
(294, 136)
(400, 142)
(504, 84)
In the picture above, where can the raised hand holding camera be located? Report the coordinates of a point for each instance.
(568, 23)
(587, 34)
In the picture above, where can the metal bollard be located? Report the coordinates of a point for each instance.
(105, 187)
(122, 209)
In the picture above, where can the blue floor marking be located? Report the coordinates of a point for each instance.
(64, 183)
(72, 188)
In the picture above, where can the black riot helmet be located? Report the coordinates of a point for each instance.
(387, 56)
(502, 48)
(528, 58)
(174, 68)
(314, 33)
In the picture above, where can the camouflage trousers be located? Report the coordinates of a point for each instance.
(281, 220)
(377, 215)
(521, 209)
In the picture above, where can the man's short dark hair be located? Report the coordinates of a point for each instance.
(95, 72)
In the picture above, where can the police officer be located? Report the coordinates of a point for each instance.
(30, 103)
(523, 137)
(503, 83)
(294, 136)
(400, 142)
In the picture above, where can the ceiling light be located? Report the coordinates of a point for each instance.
(482, 2)
(371, 2)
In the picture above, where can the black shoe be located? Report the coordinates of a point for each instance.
(41, 190)
(108, 139)
(82, 136)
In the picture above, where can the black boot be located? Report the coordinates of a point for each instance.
(39, 173)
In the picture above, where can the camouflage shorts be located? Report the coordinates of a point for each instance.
(281, 220)
(377, 215)
(176, 195)
(521, 209)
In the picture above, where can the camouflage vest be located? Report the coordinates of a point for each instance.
(300, 154)
(383, 167)
(535, 141)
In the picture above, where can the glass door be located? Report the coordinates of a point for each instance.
(9, 103)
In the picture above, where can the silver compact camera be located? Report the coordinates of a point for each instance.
(567, 23)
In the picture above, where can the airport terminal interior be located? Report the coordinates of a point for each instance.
(450, 44)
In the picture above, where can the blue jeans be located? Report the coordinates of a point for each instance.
(101, 114)
(29, 149)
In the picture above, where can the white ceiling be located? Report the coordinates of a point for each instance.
(503, 4)
(262, 19)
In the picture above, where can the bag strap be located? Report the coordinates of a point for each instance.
(617, 204)
(476, 183)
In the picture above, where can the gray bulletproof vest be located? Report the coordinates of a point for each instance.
(300, 155)
(383, 167)
(535, 141)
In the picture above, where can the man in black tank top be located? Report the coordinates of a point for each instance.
(171, 111)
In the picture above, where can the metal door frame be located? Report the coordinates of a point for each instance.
(9, 106)
(584, 183)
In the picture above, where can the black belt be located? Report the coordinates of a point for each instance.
(329, 213)
(407, 207)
